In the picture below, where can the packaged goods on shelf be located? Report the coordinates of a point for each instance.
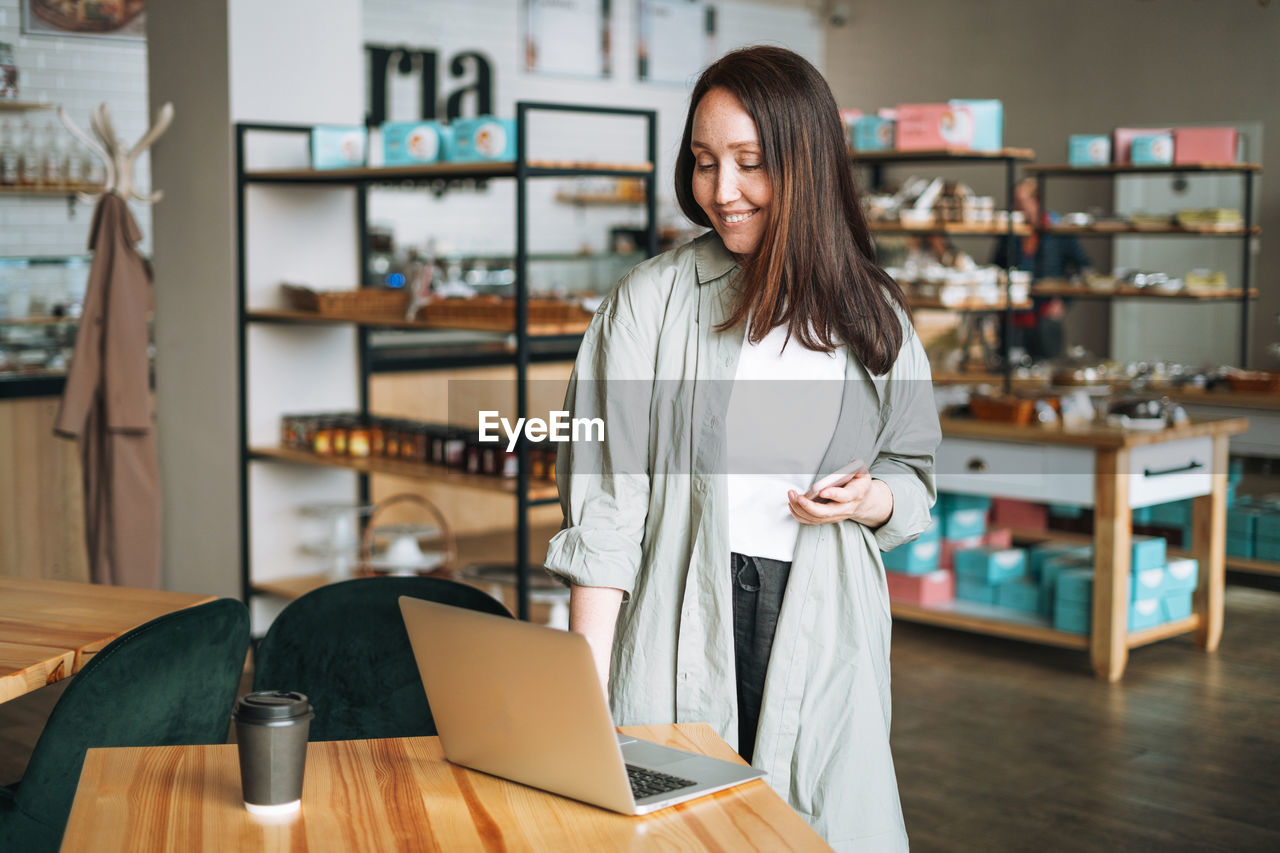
(1153, 150)
(976, 125)
(913, 558)
(1123, 138)
(849, 118)
(984, 121)
(1216, 218)
(1204, 145)
(1146, 552)
(1088, 149)
(976, 591)
(1025, 515)
(874, 133)
(962, 517)
(481, 139)
(1039, 555)
(1049, 572)
(991, 565)
(998, 537)
(338, 147)
(1021, 595)
(411, 143)
(936, 587)
(947, 553)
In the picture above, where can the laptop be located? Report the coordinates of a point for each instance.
(524, 702)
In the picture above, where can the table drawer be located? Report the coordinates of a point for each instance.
(1033, 472)
(1170, 471)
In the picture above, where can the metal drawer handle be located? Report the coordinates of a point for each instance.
(977, 465)
(1190, 466)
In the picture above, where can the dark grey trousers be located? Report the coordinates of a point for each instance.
(758, 586)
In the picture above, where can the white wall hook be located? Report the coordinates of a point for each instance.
(116, 157)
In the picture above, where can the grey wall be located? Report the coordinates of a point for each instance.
(1077, 67)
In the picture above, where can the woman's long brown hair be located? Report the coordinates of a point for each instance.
(814, 270)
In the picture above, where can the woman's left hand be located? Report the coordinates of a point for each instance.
(863, 499)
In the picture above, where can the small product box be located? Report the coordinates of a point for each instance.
(1020, 595)
(920, 126)
(1175, 606)
(1123, 140)
(947, 556)
(1026, 515)
(963, 516)
(1073, 600)
(977, 125)
(971, 590)
(1148, 583)
(1049, 573)
(874, 133)
(913, 558)
(1089, 149)
(1181, 575)
(998, 537)
(482, 139)
(937, 587)
(1204, 145)
(991, 565)
(1145, 613)
(1155, 150)
(1038, 555)
(338, 147)
(1146, 552)
(1242, 531)
(412, 143)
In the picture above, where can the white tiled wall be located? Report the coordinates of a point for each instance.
(79, 73)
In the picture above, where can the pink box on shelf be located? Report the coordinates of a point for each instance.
(932, 588)
(1006, 512)
(1123, 139)
(998, 537)
(1204, 145)
(947, 556)
(920, 126)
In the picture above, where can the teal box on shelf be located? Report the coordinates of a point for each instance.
(1174, 606)
(1073, 616)
(980, 122)
(1065, 511)
(1072, 608)
(964, 523)
(1269, 524)
(913, 558)
(873, 133)
(991, 565)
(1146, 552)
(1038, 555)
(1153, 150)
(968, 590)
(483, 139)
(1049, 572)
(1145, 613)
(1173, 513)
(338, 147)
(1181, 575)
(413, 143)
(1267, 549)
(1020, 595)
(1089, 149)
(955, 500)
(1148, 583)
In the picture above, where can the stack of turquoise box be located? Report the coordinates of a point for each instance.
(1160, 589)
(1177, 515)
(962, 520)
(996, 576)
(919, 556)
(1253, 529)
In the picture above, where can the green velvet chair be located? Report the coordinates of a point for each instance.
(170, 681)
(345, 646)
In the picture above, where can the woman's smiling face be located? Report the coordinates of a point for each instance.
(729, 179)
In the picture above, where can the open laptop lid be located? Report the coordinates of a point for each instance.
(518, 701)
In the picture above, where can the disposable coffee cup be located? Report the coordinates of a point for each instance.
(271, 734)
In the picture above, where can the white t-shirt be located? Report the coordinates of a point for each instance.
(783, 411)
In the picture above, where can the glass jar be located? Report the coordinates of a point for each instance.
(341, 426)
(358, 439)
(322, 438)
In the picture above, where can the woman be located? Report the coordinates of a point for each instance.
(785, 653)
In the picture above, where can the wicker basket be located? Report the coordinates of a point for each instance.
(447, 541)
(364, 302)
(1013, 410)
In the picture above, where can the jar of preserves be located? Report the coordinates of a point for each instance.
(322, 438)
(358, 439)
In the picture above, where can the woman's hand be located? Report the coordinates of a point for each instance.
(863, 499)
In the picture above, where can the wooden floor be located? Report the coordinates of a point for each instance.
(1002, 745)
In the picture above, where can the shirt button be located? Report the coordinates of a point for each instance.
(684, 676)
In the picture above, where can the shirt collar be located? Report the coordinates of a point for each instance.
(711, 258)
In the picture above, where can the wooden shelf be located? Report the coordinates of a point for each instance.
(1094, 435)
(439, 171)
(1132, 230)
(954, 229)
(600, 199)
(1255, 567)
(1071, 292)
(284, 315)
(54, 191)
(971, 306)
(1129, 169)
(538, 489)
(941, 154)
(988, 619)
(23, 106)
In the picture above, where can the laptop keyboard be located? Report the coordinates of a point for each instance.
(648, 783)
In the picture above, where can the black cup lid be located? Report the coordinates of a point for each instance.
(268, 705)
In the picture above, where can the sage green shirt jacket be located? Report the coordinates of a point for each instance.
(645, 513)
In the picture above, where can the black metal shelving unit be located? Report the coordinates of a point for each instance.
(528, 348)
(876, 161)
(1247, 172)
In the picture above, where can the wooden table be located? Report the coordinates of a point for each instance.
(51, 629)
(401, 794)
(1112, 471)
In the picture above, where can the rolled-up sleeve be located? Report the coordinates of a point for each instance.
(906, 456)
(604, 486)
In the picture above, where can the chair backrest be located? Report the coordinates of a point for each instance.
(171, 681)
(345, 646)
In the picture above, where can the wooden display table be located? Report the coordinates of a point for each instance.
(51, 629)
(401, 794)
(1112, 471)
